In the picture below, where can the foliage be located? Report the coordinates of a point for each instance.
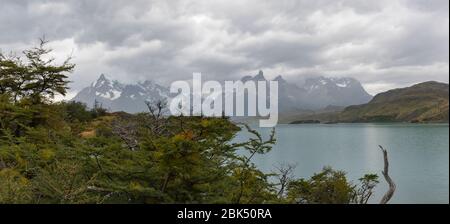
(67, 153)
(36, 77)
(328, 187)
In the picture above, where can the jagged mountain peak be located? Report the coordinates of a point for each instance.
(257, 77)
(280, 79)
(102, 77)
(260, 77)
(315, 93)
(116, 96)
(101, 81)
(339, 91)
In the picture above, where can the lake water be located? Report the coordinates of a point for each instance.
(418, 155)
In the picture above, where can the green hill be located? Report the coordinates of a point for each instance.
(423, 102)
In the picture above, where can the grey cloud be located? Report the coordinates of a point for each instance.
(393, 42)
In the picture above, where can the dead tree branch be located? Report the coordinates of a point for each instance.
(285, 175)
(388, 195)
(127, 132)
(157, 123)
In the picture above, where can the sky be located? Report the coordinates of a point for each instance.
(384, 44)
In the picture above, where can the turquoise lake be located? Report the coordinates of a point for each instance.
(418, 155)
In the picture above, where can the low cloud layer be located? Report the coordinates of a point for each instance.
(384, 44)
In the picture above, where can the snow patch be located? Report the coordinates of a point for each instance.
(111, 95)
(343, 83)
(115, 94)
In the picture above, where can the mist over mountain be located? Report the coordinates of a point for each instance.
(321, 92)
(314, 94)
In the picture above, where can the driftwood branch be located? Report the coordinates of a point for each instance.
(388, 195)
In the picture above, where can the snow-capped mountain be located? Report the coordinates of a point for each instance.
(314, 94)
(321, 92)
(119, 97)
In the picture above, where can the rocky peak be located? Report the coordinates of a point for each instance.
(259, 76)
(280, 80)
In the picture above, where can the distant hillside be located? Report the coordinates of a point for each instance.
(423, 102)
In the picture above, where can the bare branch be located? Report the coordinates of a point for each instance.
(127, 132)
(285, 175)
(388, 195)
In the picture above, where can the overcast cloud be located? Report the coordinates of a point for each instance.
(383, 43)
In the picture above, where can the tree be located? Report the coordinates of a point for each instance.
(77, 112)
(34, 77)
(365, 191)
(66, 153)
(327, 187)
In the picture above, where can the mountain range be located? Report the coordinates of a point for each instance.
(116, 96)
(313, 94)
